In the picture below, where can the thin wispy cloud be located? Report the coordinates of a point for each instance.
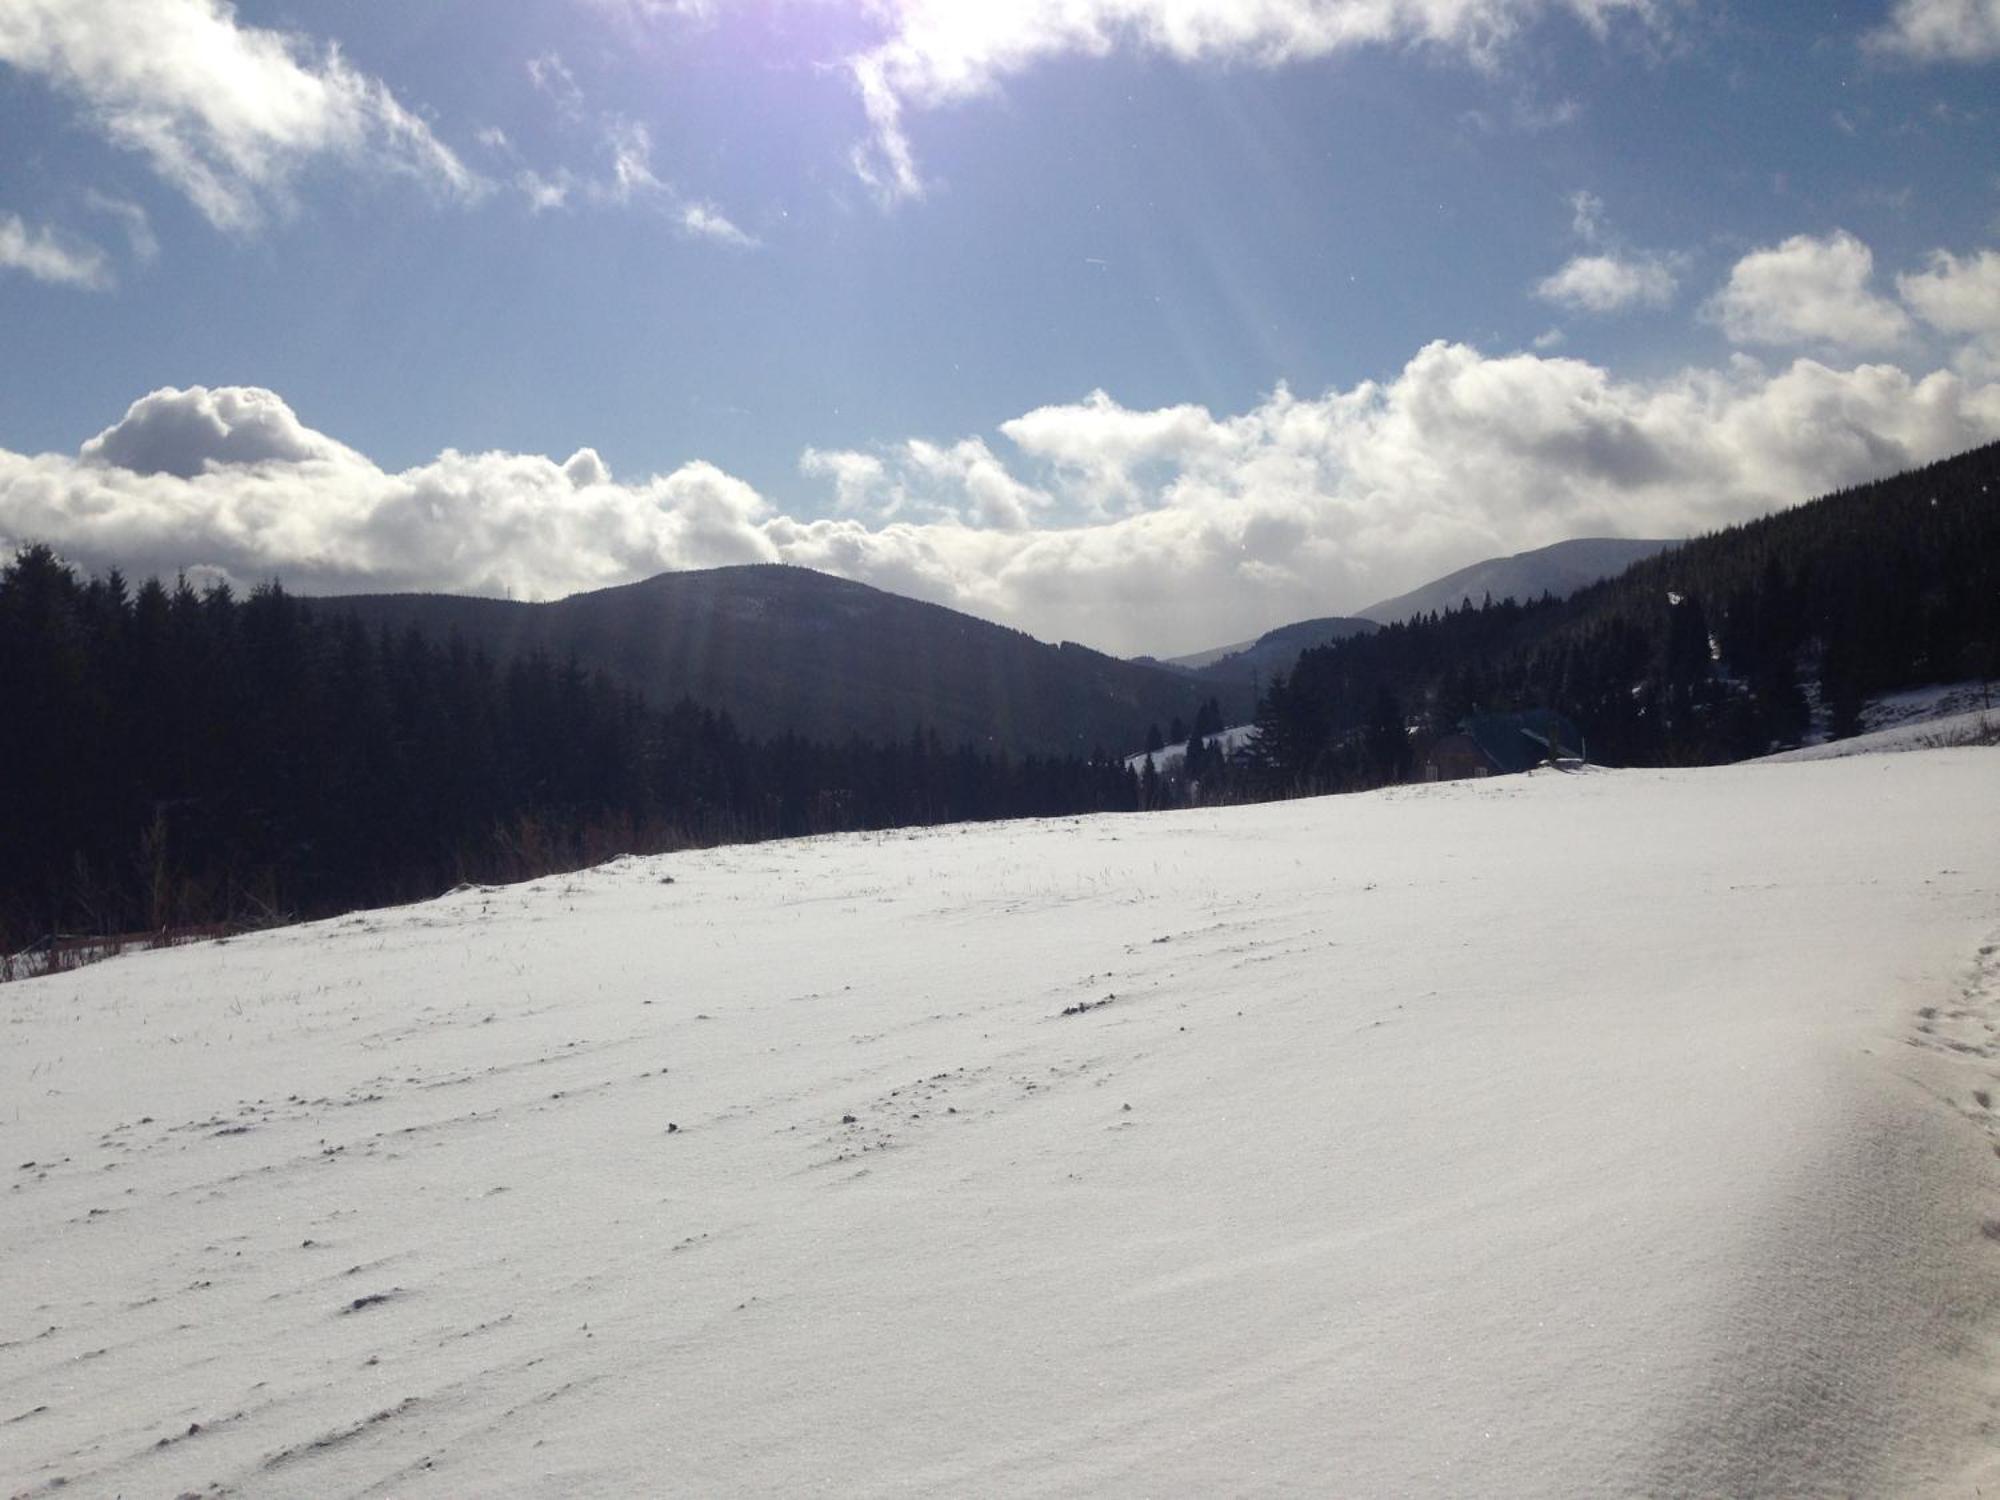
(625, 179)
(137, 224)
(39, 252)
(551, 76)
(632, 180)
(704, 221)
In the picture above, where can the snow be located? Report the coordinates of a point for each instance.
(1546, 1135)
(1232, 739)
(1974, 727)
(1938, 701)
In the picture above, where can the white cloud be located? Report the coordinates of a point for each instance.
(861, 484)
(971, 485)
(197, 431)
(1808, 291)
(227, 113)
(1961, 297)
(1610, 283)
(1299, 506)
(938, 52)
(963, 484)
(1941, 31)
(1957, 296)
(230, 479)
(1612, 277)
(1105, 453)
(41, 253)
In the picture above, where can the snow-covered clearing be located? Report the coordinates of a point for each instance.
(1552, 1135)
(1235, 737)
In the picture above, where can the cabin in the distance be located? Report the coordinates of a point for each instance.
(1504, 744)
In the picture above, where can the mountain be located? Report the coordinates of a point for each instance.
(784, 649)
(1559, 569)
(1272, 652)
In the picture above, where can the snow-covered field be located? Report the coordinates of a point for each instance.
(1579, 1136)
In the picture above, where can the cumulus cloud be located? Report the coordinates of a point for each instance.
(1298, 506)
(1961, 297)
(1941, 31)
(1808, 291)
(227, 113)
(861, 484)
(1106, 454)
(938, 52)
(963, 483)
(972, 485)
(232, 481)
(1609, 283)
(41, 253)
(185, 433)
(1612, 277)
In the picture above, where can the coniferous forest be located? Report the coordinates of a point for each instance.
(176, 757)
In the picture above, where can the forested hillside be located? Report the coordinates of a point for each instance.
(174, 757)
(789, 650)
(1709, 652)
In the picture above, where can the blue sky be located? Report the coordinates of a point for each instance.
(1150, 323)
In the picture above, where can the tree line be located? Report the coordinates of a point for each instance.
(172, 756)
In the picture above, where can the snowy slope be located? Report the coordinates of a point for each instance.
(1232, 739)
(1573, 1136)
(1975, 727)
